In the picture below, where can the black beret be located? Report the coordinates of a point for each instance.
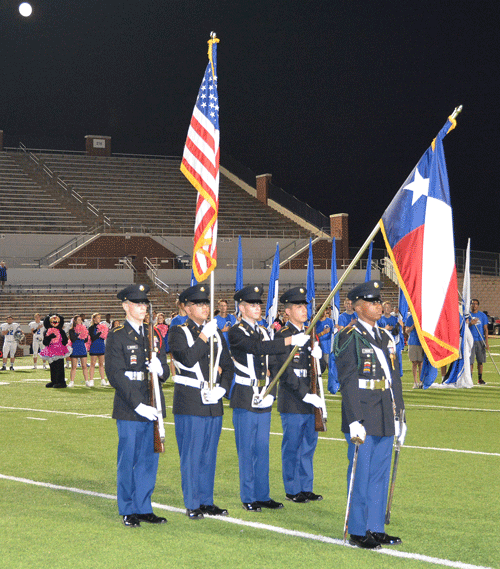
(196, 293)
(135, 293)
(251, 294)
(366, 291)
(296, 295)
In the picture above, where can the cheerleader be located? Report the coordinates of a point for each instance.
(80, 341)
(98, 332)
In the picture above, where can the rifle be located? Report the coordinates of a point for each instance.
(397, 446)
(154, 390)
(319, 417)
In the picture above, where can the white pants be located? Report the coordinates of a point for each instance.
(9, 349)
(37, 346)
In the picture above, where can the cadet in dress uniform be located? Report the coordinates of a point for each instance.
(197, 409)
(127, 366)
(296, 404)
(252, 349)
(371, 401)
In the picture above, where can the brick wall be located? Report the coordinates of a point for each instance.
(486, 290)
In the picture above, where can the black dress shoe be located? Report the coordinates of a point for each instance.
(194, 514)
(131, 521)
(50, 384)
(59, 385)
(312, 497)
(385, 539)
(213, 510)
(365, 541)
(252, 506)
(299, 498)
(151, 518)
(271, 504)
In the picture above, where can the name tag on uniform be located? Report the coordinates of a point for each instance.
(132, 347)
(133, 359)
(366, 350)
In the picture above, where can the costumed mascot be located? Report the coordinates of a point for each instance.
(55, 341)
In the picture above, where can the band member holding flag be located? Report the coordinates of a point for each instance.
(127, 363)
(197, 408)
(296, 403)
(252, 351)
(372, 402)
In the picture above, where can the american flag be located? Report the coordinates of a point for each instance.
(200, 165)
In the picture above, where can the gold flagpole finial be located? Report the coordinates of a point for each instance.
(456, 112)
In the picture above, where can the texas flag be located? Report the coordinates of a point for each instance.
(418, 232)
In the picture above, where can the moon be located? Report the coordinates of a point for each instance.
(25, 9)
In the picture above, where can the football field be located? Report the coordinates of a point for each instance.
(58, 487)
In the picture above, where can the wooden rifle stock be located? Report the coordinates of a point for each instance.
(159, 440)
(319, 420)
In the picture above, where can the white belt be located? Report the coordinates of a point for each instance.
(189, 381)
(245, 380)
(374, 384)
(135, 375)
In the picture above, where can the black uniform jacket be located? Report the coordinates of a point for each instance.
(127, 351)
(244, 340)
(187, 399)
(372, 408)
(295, 382)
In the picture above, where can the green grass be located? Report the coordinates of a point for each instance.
(446, 503)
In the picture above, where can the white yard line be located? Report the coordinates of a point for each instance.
(336, 439)
(260, 526)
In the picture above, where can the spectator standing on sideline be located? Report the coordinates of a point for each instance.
(98, 333)
(415, 351)
(348, 316)
(80, 341)
(224, 320)
(37, 329)
(127, 365)
(3, 274)
(478, 325)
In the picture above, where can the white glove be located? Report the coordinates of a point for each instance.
(210, 328)
(357, 432)
(317, 352)
(263, 403)
(212, 396)
(313, 399)
(402, 434)
(154, 366)
(300, 339)
(147, 411)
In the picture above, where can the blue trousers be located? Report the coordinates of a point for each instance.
(137, 466)
(371, 484)
(252, 443)
(297, 452)
(197, 440)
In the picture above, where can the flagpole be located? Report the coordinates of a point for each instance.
(324, 306)
(211, 369)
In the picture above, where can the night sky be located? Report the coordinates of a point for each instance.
(338, 99)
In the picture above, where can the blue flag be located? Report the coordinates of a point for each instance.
(310, 283)
(368, 276)
(428, 374)
(193, 279)
(239, 273)
(272, 295)
(333, 380)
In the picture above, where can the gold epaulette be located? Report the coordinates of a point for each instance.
(117, 328)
